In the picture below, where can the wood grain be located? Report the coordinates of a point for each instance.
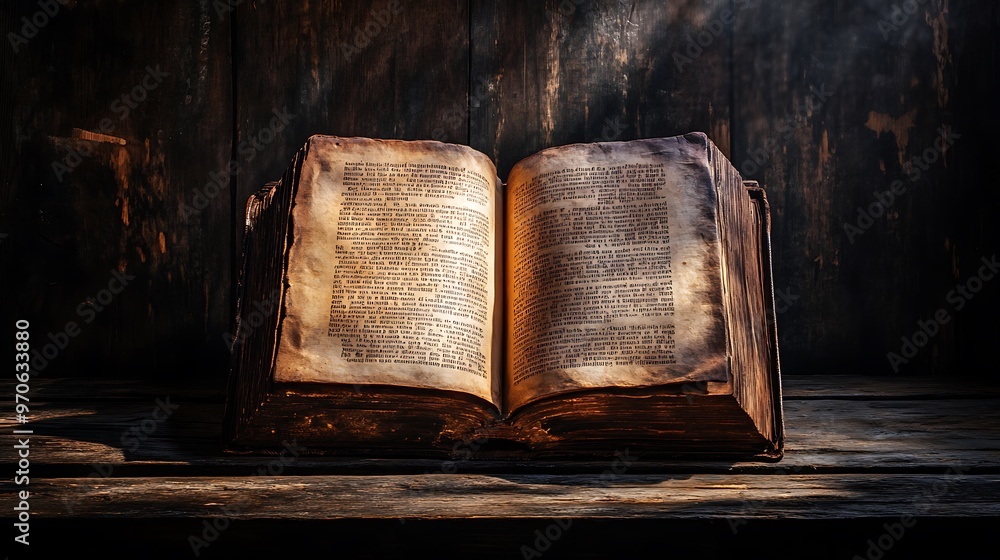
(558, 72)
(861, 453)
(458, 496)
(833, 101)
(153, 79)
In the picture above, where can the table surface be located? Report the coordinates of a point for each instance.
(857, 447)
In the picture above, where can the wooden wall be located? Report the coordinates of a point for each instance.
(825, 103)
(120, 207)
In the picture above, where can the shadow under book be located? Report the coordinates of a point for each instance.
(396, 298)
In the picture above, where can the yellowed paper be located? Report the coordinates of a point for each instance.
(391, 273)
(613, 268)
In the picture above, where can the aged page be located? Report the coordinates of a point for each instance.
(391, 276)
(613, 268)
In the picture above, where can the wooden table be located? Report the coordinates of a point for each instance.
(861, 454)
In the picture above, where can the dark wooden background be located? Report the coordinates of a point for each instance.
(507, 78)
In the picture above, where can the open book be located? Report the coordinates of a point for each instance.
(398, 297)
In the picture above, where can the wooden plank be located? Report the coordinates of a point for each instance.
(459, 496)
(900, 434)
(885, 387)
(833, 101)
(557, 72)
(122, 110)
(822, 436)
